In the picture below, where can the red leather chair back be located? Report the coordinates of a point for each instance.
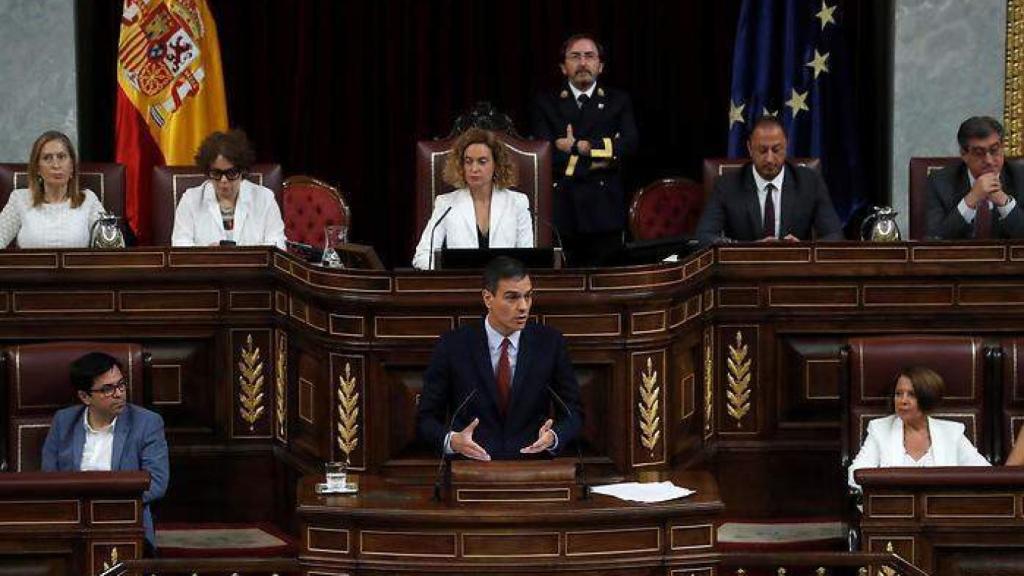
(715, 167)
(309, 206)
(532, 159)
(106, 180)
(170, 182)
(873, 363)
(37, 380)
(665, 209)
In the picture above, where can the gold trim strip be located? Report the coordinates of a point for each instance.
(570, 168)
(873, 497)
(463, 535)
(565, 497)
(1013, 86)
(711, 537)
(608, 151)
(1012, 497)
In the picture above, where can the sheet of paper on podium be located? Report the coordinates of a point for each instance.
(644, 492)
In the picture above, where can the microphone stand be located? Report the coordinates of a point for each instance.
(444, 472)
(430, 264)
(581, 471)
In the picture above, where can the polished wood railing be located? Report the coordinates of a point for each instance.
(207, 567)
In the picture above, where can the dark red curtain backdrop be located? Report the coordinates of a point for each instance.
(342, 90)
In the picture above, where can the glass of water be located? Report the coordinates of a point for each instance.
(337, 476)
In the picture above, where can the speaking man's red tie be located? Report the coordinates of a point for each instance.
(504, 376)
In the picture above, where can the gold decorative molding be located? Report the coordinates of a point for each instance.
(739, 367)
(649, 406)
(709, 381)
(113, 559)
(348, 413)
(885, 570)
(250, 381)
(1013, 86)
(281, 386)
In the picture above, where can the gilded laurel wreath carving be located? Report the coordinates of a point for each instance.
(650, 421)
(113, 560)
(885, 570)
(348, 412)
(280, 385)
(739, 368)
(250, 383)
(709, 381)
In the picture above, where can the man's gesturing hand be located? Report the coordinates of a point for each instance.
(462, 442)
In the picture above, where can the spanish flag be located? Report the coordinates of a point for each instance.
(170, 93)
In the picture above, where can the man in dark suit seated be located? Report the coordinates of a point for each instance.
(592, 129)
(105, 432)
(769, 198)
(499, 379)
(976, 198)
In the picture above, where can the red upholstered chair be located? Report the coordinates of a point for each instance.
(715, 167)
(35, 383)
(309, 206)
(665, 209)
(170, 182)
(532, 158)
(870, 369)
(106, 180)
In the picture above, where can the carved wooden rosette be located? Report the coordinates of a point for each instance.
(281, 387)
(739, 374)
(709, 382)
(649, 402)
(251, 372)
(349, 385)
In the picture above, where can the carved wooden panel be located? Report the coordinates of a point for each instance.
(184, 384)
(348, 410)
(808, 375)
(739, 380)
(310, 430)
(648, 400)
(252, 379)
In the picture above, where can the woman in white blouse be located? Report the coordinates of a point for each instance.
(911, 438)
(53, 212)
(483, 212)
(227, 208)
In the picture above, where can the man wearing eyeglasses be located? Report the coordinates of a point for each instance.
(105, 432)
(592, 129)
(976, 198)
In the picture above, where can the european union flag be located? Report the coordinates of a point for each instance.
(791, 61)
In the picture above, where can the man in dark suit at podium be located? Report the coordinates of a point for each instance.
(592, 129)
(500, 379)
(976, 198)
(769, 198)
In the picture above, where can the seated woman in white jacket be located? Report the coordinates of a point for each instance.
(911, 438)
(227, 207)
(483, 212)
(53, 212)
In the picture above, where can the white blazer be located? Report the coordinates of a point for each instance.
(883, 448)
(198, 222)
(511, 225)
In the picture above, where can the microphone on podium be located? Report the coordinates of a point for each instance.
(430, 265)
(558, 237)
(441, 476)
(584, 486)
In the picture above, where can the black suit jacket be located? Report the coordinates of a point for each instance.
(461, 363)
(947, 187)
(589, 198)
(733, 213)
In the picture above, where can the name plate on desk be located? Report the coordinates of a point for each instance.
(513, 481)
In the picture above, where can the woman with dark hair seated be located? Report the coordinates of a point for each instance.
(53, 212)
(484, 212)
(912, 438)
(227, 208)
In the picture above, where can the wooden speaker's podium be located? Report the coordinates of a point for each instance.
(501, 518)
(517, 481)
